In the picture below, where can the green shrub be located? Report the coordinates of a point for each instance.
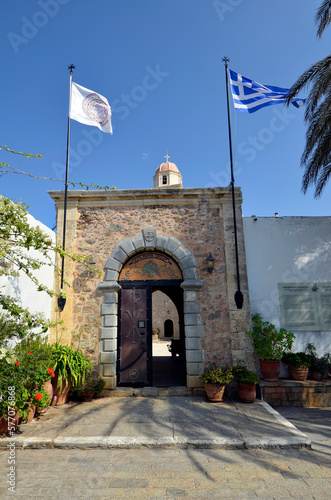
(68, 361)
(214, 374)
(269, 343)
(297, 359)
(244, 376)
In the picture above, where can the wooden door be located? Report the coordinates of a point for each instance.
(134, 350)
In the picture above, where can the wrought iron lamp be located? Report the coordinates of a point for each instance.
(210, 262)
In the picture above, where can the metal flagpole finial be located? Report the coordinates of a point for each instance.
(226, 60)
(71, 67)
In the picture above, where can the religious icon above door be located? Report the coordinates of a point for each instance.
(150, 266)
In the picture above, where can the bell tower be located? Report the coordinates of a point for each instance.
(167, 175)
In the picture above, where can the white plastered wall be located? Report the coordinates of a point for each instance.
(23, 289)
(287, 250)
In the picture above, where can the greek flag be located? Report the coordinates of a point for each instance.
(250, 96)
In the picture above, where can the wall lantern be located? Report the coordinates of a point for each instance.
(210, 262)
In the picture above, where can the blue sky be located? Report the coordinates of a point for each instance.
(159, 64)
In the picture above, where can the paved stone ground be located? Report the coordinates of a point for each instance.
(170, 474)
(146, 473)
(181, 422)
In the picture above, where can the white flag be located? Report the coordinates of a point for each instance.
(90, 108)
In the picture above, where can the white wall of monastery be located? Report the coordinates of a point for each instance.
(23, 289)
(287, 250)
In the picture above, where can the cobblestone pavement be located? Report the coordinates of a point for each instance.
(170, 474)
(146, 473)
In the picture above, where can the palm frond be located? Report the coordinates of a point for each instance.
(318, 166)
(320, 88)
(311, 75)
(316, 157)
(319, 124)
(323, 17)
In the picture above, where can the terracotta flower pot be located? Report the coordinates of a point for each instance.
(316, 375)
(49, 388)
(214, 392)
(4, 423)
(86, 396)
(29, 418)
(247, 392)
(270, 369)
(60, 396)
(298, 372)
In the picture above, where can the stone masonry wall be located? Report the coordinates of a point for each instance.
(201, 220)
(98, 232)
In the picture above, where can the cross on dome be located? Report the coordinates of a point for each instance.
(167, 157)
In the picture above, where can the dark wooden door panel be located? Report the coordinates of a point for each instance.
(133, 361)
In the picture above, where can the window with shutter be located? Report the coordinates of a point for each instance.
(325, 306)
(305, 306)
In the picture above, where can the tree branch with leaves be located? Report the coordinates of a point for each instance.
(25, 249)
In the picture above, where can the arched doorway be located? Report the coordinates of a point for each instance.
(139, 363)
(169, 328)
(110, 289)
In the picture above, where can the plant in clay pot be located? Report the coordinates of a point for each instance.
(71, 368)
(24, 370)
(319, 367)
(90, 389)
(246, 380)
(298, 364)
(215, 379)
(270, 344)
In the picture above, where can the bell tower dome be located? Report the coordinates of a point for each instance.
(167, 175)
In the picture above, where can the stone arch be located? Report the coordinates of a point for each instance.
(194, 331)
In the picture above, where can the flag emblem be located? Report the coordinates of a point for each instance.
(97, 108)
(249, 96)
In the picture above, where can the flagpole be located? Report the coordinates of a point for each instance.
(238, 296)
(61, 301)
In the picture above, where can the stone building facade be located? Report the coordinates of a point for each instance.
(171, 231)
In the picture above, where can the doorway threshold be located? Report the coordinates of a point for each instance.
(152, 392)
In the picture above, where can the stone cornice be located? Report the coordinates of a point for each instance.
(146, 197)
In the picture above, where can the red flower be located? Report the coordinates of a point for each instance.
(16, 363)
(29, 353)
(38, 397)
(50, 372)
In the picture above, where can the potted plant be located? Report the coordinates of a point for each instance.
(11, 392)
(70, 367)
(91, 388)
(215, 379)
(33, 355)
(298, 364)
(24, 371)
(319, 367)
(246, 380)
(269, 344)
